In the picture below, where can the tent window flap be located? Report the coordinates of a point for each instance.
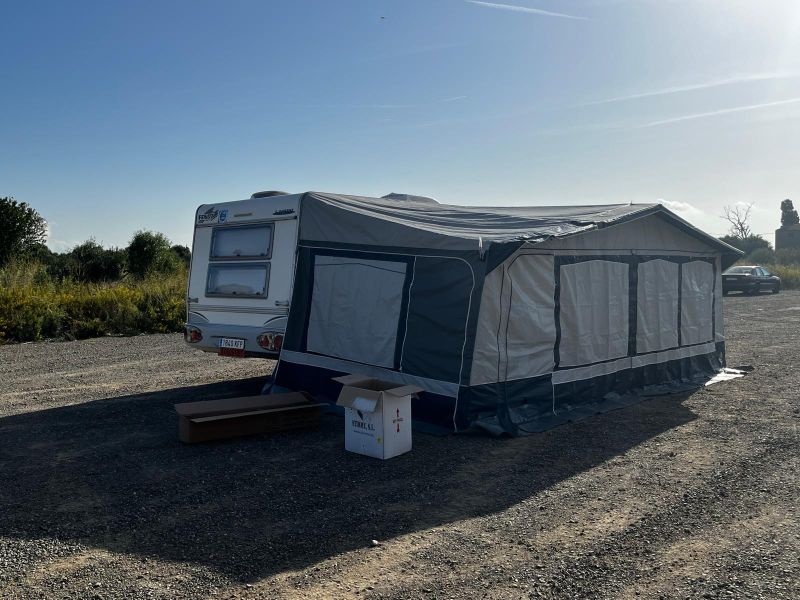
(594, 312)
(530, 341)
(355, 309)
(657, 306)
(697, 302)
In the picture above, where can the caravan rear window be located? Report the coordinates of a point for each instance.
(254, 241)
(245, 280)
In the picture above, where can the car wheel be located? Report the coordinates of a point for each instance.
(776, 289)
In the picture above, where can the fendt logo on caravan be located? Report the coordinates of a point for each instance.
(284, 211)
(212, 215)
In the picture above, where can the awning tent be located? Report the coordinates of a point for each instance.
(510, 318)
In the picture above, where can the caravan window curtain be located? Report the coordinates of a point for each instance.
(355, 309)
(594, 312)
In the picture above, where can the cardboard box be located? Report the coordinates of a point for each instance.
(235, 417)
(377, 415)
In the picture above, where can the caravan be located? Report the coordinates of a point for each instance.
(240, 280)
(513, 319)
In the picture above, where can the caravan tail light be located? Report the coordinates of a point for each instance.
(192, 335)
(271, 341)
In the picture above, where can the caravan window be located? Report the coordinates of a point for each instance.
(238, 280)
(242, 242)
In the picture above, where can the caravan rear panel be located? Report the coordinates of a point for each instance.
(240, 281)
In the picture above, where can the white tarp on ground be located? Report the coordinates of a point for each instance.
(697, 301)
(355, 309)
(657, 306)
(594, 312)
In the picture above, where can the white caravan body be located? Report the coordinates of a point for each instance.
(241, 275)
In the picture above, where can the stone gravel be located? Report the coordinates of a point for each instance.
(692, 496)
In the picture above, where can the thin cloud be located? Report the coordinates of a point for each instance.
(526, 9)
(723, 111)
(748, 78)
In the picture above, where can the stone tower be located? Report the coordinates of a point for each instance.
(788, 236)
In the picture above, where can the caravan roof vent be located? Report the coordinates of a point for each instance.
(409, 198)
(269, 194)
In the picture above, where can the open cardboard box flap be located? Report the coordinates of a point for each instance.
(363, 393)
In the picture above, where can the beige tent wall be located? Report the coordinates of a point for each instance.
(516, 328)
(651, 233)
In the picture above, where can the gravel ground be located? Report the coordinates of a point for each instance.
(677, 497)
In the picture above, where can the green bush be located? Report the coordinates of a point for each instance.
(33, 306)
(789, 274)
(788, 256)
(761, 256)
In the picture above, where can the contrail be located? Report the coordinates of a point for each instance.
(525, 9)
(723, 111)
(699, 86)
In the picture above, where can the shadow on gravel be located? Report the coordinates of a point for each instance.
(112, 474)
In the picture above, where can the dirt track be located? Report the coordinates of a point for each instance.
(672, 498)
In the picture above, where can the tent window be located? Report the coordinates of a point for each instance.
(532, 328)
(697, 302)
(594, 312)
(657, 306)
(241, 242)
(355, 309)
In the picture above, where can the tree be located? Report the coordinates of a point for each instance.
(738, 216)
(91, 262)
(183, 253)
(748, 244)
(21, 229)
(150, 252)
(788, 214)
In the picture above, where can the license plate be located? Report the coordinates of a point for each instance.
(231, 347)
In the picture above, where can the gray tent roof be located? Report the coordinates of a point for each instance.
(387, 222)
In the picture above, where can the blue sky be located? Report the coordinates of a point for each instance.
(120, 116)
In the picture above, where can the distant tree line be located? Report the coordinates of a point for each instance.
(23, 233)
(755, 247)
